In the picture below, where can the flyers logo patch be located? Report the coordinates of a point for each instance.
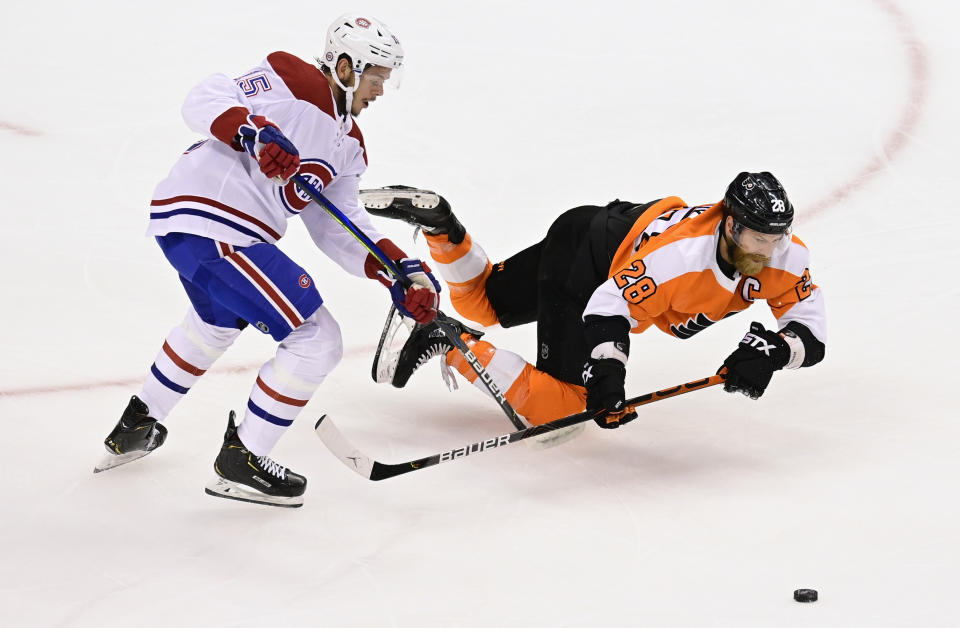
(694, 325)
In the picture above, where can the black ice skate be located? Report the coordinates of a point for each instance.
(425, 342)
(422, 208)
(243, 476)
(135, 435)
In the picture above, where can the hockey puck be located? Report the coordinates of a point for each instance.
(805, 595)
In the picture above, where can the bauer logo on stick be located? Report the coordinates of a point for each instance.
(475, 448)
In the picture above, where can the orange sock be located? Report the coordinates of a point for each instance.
(542, 398)
(465, 269)
(535, 395)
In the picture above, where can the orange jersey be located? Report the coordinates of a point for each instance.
(666, 273)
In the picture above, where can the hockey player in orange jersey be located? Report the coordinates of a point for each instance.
(604, 272)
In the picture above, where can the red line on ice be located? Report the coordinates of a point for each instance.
(136, 382)
(18, 129)
(106, 383)
(897, 139)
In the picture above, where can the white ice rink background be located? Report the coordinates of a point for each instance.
(707, 511)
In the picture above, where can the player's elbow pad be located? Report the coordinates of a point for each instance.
(813, 349)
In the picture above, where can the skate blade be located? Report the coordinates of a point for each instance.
(115, 460)
(396, 331)
(220, 487)
(557, 437)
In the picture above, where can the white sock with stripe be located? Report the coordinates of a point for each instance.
(464, 263)
(275, 401)
(504, 368)
(285, 384)
(187, 353)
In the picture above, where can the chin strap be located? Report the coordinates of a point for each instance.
(348, 107)
(348, 98)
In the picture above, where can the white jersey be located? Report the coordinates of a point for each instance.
(217, 191)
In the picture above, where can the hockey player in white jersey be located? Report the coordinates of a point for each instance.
(218, 216)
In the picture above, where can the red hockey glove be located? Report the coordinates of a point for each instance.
(279, 159)
(420, 301)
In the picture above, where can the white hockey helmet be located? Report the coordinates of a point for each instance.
(366, 40)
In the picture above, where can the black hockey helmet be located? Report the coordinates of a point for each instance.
(757, 201)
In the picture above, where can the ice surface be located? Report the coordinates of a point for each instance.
(707, 511)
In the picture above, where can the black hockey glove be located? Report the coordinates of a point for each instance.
(604, 382)
(604, 372)
(750, 367)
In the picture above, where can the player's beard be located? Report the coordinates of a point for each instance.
(748, 263)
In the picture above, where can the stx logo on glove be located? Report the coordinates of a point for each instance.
(758, 343)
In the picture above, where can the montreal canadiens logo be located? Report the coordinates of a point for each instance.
(317, 172)
(363, 22)
(329, 56)
(305, 281)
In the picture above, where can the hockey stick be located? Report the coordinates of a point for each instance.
(443, 322)
(482, 374)
(354, 230)
(374, 470)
